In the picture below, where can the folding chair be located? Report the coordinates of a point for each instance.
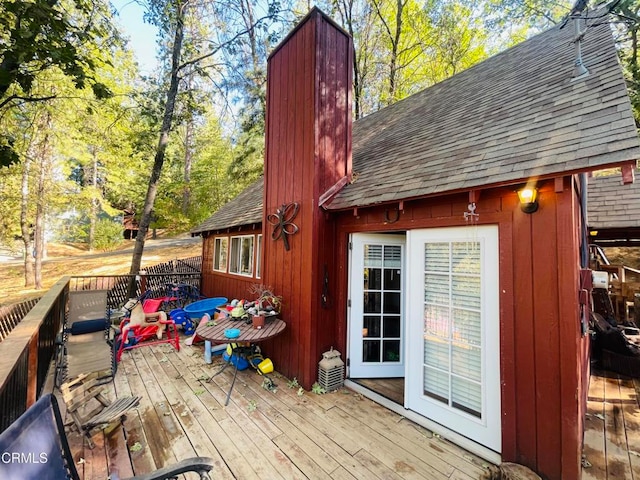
(83, 346)
(35, 446)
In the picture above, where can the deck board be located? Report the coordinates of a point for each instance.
(612, 428)
(260, 434)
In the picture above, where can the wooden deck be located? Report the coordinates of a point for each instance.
(612, 428)
(260, 434)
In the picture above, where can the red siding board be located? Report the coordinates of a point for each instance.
(570, 332)
(508, 368)
(547, 340)
(526, 400)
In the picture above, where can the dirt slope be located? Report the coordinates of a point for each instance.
(74, 260)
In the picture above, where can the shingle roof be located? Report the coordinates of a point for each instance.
(244, 209)
(514, 116)
(613, 205)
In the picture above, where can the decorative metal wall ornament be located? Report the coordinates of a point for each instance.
(282, 222)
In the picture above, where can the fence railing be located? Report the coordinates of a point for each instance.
(26, 354)
(29, 345)
(11, 315)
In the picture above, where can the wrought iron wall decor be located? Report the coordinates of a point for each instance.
(282, 222)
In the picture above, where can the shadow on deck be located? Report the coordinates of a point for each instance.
(260, 434)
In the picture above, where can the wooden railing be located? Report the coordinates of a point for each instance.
(26, 354)
(11, 315)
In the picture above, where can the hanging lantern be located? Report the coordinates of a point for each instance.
(331, 370)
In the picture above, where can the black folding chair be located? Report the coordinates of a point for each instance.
(35, 446)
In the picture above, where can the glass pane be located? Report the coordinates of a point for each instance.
(466, 362)
(372, 302)
(392, 302)
(224, 245)
(371, 351)
(466, 396)
(436, 288)
(392, 256)
(373, 255)
(392, 279)
(259, 257)
(465, 291)
(391, 327)
(372, 279)
(436, 321)
(466, 257)
(436, 353)
(436, 257)
(436, 385)
(246, 259)
(391, 350)
(235, 255)
(467, 326)
(371, 327)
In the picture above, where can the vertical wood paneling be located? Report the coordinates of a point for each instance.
(571, 361)
(508, 369)
(546, 334)
(525, 338)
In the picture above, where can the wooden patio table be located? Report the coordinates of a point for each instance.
(248, 334)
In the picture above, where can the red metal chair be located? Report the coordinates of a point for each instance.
(146, 325)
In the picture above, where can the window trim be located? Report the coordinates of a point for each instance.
(258, 261)
(216, 256)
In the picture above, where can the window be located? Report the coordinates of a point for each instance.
(221, 247)
(241, 258)
(259, 258)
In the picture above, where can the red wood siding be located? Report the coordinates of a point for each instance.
(542, 352)
(308, 149)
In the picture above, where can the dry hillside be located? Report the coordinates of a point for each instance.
(75, 260)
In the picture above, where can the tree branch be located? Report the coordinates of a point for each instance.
(222, 45)
(25, 99)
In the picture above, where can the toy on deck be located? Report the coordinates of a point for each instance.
(145, 325)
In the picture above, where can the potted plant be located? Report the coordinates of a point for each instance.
(267, 304)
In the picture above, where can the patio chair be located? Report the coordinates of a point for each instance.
(82, 345)
(37, 447)
(78, 395)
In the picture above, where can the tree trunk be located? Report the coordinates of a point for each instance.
(167, 120)
(188, 160)
(25, 225)
(94, 201)
(41, 199)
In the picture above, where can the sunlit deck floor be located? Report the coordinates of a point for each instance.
(260, 434)
(612, 428)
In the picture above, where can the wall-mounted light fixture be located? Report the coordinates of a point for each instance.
(528, 199)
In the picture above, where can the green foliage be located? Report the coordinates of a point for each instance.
(108, 235)
(318, 389)
(39, 34)
(293, 383)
